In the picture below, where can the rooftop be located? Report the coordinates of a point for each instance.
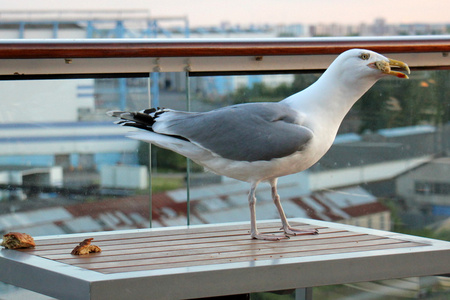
(406, 131)
(208, 206)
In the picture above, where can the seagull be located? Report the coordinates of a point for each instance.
(260, 142)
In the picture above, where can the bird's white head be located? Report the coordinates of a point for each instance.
(349, 76)
(366, 63)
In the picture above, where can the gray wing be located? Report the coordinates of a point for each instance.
(244, 132)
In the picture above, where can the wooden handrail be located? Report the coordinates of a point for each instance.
(120, 48)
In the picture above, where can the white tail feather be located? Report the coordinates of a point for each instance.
(182, 147)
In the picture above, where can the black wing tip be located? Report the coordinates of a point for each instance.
(141, 119)
(148, 111)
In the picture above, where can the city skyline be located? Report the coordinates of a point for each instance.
(214, 12)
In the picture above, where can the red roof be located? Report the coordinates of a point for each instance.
(365, 209)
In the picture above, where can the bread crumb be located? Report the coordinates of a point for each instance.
(85, 247)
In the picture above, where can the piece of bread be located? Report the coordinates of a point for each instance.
(85, 247)
(17, 240)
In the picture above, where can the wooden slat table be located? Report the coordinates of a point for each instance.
(214, 260)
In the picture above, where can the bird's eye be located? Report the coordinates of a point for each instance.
(364, 56)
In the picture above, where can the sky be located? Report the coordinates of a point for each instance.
(245, 12)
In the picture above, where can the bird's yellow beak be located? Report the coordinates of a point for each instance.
(386, 67)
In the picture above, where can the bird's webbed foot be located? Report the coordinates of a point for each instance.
(269, 237)
(293, 231)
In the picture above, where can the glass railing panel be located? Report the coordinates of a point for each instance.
(377, 173)
(63, 160)
(387, 169)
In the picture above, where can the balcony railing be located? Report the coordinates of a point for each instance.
(22, 59)
(102, 48)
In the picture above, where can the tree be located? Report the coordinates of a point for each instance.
(394, 103)
(260, 92)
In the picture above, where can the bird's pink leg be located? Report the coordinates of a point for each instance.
(286, 227)
(254, 231)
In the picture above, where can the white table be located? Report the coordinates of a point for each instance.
(214, 260)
